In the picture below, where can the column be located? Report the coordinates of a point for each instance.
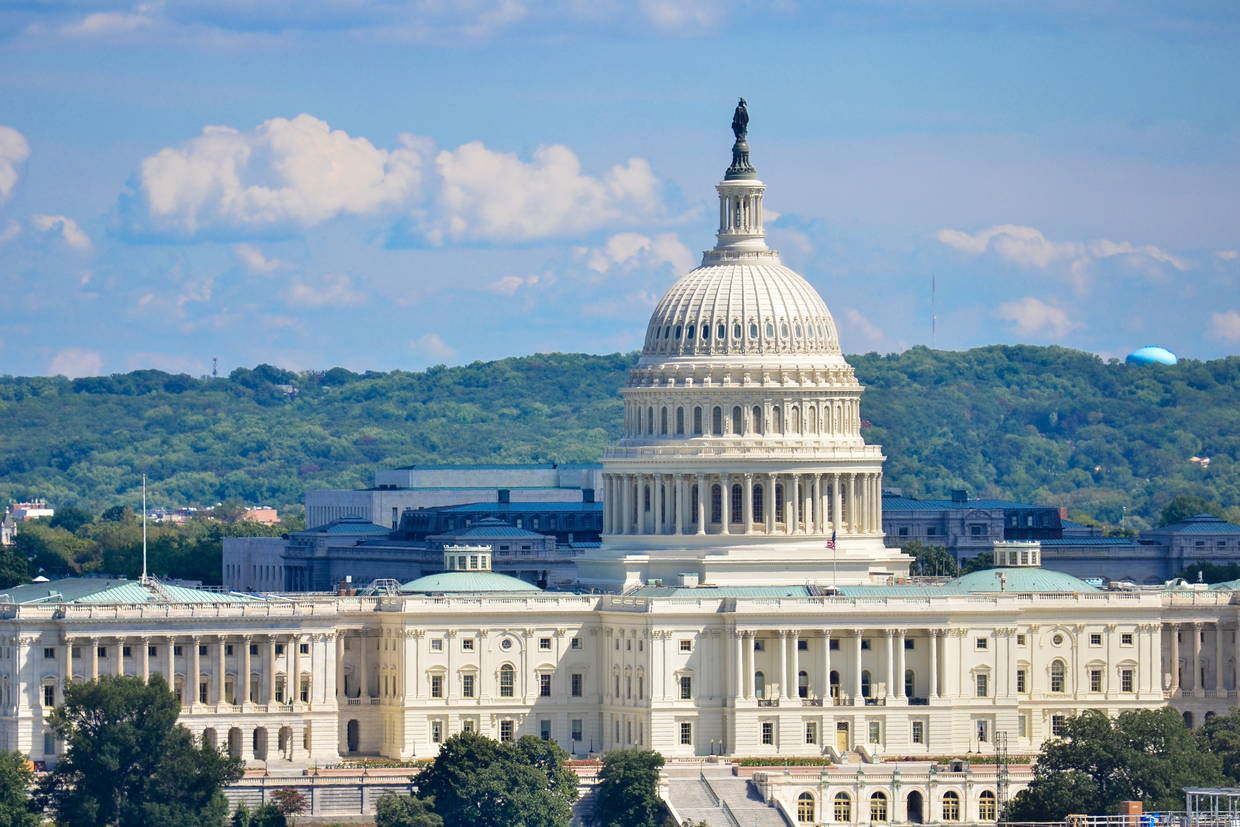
(725, 503)
(794, 497)
(66, 667)
(1218, 659)
(94, 658)
(701, 504)
(835, 503)
(826, 668)
(933, 639)
(243, 680)
(363, 680)
(891, 664)
(747, 645)
(271, 669)
(738, 668)
(170, 663)
(817, 512)
(807, 505)
(794, 652)
(221, 670)
(783, 662)
(656, 502)
(790, 498)
(1175, 657)
(294, 683)
(119, 655)
(850, 513)
(146, 659)
(679, 528)
(768, 504)
(1196, 630)
(747, 504)
(192, 685)
(900, 667)
(339, 670)
(1235, 683)
(858, 697)
(626, 489)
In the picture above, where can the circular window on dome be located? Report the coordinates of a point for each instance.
(706, 331)
(736, 330)
(721, 332)
(753, 330)
(783, 330)
(770, 330)
(1057, 639)
(678, 332)
(689, 332)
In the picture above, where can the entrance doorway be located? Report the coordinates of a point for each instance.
(841, 737)
(915, 808)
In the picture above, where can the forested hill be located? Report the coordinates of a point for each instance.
(1034, 423)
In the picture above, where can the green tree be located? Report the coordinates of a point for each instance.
(13, 569)
(289, 801)
(930, 561)
(406, 811)
(1221, 736)
(980, 562)
(1146, 755)
(1210, 572)
(628, 789)
(70, 517)
(1187, 505)
(475, 780)
(127, 761)
(16, 808)
(267, 815)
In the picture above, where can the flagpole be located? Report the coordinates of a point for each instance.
(144, 528)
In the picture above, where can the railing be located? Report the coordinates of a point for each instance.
(717, 801)
(811, 702)
(875, 701)
(767, 702)
(1170, 819)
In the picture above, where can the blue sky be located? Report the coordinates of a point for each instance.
(414, 182)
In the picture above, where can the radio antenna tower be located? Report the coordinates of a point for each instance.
(215, 367)
(144, 577)
(934, 319)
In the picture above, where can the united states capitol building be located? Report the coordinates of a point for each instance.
(741, 601)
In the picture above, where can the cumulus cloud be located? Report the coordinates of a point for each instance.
(496, 196)
(432, 346)
(1228, 255)
(104, 23)
(509, 285)
(628, 251)
(855, 323)
(333, 290)
(74, 362)
(254, 260)
(284, 174)
(1028, 247)
(1225, 326)
(66, 228)
(14, 150)
(1032, 316)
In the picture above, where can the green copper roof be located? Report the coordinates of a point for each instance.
(716, 592)
(1017, 580)
(114, 591)
(467, 581)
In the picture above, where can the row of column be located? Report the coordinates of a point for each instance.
(216, 647)
(789, 669)
(1191, 680)
(789, 420)
(813, 503)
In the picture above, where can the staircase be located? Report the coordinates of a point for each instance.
(710, 793)
(741, 799)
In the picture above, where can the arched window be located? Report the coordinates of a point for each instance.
(650, 420)
(842, 807)
(783, 330)
(987, 809)
(951, 806)
(738, 497)
(878, 807)
(758, 514)
(736, 330)
(721, 332)
(811, 419)
(753, 330)
(507, 680)
(706, 331)
(738, 425)
(689, 332)
(716, 504)
(803, 684)
(697, 421)
(777, 420)
(805, 808)
(1057, 672)
(865, 683)
(663, 421)
(759, 684)
(794, 420)
(757, 419)
(680, 421)
(779, 501)
(679, 330)
(770, 330)
(717, 421)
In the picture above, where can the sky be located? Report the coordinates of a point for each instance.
(398, 184)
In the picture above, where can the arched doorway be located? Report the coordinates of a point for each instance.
(351, 735)
(260, 744)
(210, 739)
(915, 808)
(234, 742)
(284, 739)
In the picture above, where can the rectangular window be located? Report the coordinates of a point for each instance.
(437, 644)
(1125, 680)
(909, 643)
(176, 650)
(49, 694)
(437, 731)
(686, 734)
(919, 732)
(1095, 638)
(544, 686)
(983, 684)
(125, 652)
(982, 729)
(1020, 680)
(576, 683)
(103, 651)
(506, 680)
(544, 644)
(811, 732)
(981, 644)
(49, 743)
(1020, 640)
(802, 645)
(1125, 639)
(467, 685)
(686, 687)
(228, 649)
(835, 644)
(1059, 725)
(468, 725)
(467, 644)
(865, 643)
(253, 649)
(768, 732)
(436, 686)
(876, 732)
(544, 729)
(1022, 726)
(1095, 680)
(577, 729)
(576, 643)
(49, 653)
(202, 692)
(202, 650)
(303, 648)
(686, 646)
(150, 650)
(505, 730)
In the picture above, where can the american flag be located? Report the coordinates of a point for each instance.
(831, 542)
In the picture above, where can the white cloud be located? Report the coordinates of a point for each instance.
(628, 251)
(677, 15)
(857, 324)
(1225, 326)
(14, 150)
(509, 285)
(1028, 247)
(11, 231)
(1228, 255)
(333, 290)
(1035, 317)
(254, 259)
(495, 196)
(432, 346)
(74, 362)
(283, 174)
(104, 23)
(68, 230)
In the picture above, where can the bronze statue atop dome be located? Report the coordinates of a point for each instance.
(740, 168)
(740, 121)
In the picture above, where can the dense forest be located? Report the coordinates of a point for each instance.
(1045, 424)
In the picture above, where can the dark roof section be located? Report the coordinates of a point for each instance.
(1200, 524)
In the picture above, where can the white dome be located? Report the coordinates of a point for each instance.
(738, 307)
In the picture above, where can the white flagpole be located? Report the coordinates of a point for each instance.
(144, 528)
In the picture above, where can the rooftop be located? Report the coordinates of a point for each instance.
(446, 582)
(899, 502)
(1200, 524)
(114, 591)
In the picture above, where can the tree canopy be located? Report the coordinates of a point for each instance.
(628, 789)
(1099, 762)
(128, 763)
(16, 808)
(406, 811)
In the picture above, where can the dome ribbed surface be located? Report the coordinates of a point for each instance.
(759, 307)
(467, 581)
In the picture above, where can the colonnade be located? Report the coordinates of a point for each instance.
(810, 503)
(1186, 675)
(808, 417)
